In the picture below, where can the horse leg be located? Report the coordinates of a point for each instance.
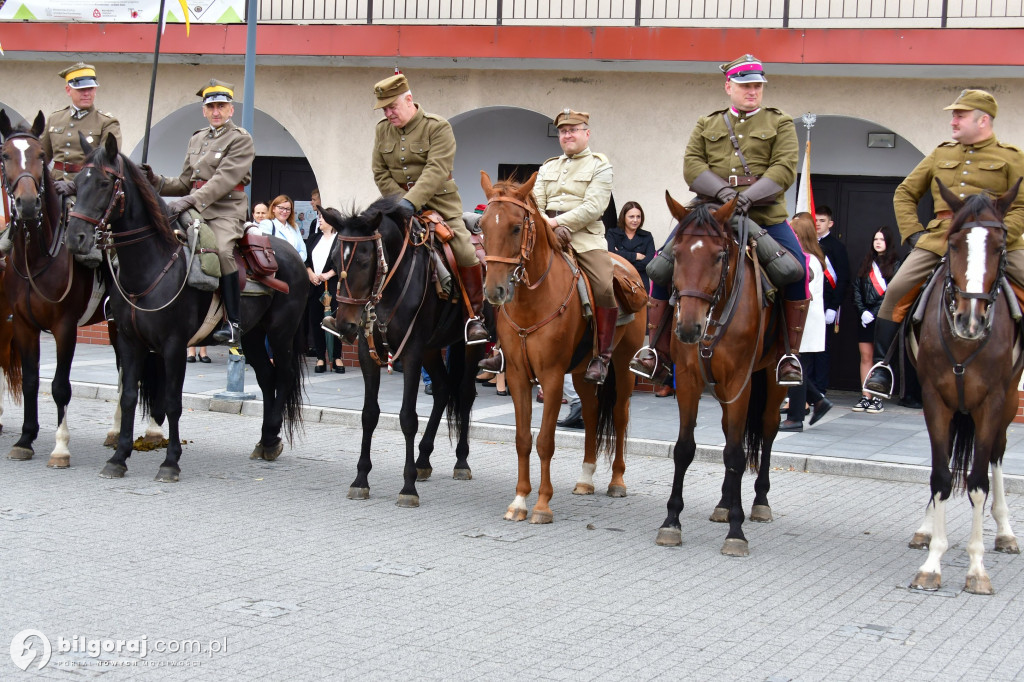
(546, 442)
(173, 379)
(115, 423)
(923, 535)
(929, 576)
(624, 382)
(407, 418)
(761, 511)
(434, 365)
(670, 534)
(131, 370)
(27, 340)
(65, 336)
(269, 446)
(588, 404)
(1005, 539)
(521, 391)
(360, 488)
(463, 378)
(733, 422)
(989, 425)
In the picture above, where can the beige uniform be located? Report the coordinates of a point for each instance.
(62, 145)
(220, 160)
(416, 162)
(577, 190)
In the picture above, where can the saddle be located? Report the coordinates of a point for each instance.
(256, 261)
(447, 279)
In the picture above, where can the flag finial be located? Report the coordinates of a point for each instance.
(809, 119)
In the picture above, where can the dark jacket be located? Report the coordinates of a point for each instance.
(642, 242)
(315, 290)
(835, 252)
(864, 295)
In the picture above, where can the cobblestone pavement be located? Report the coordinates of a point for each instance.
(293, 581)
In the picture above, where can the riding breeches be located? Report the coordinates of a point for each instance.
(462, 247)
(783, 234)
(597, 263)
(227, 231)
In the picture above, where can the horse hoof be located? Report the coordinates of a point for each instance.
(358, 493)
(616, 491)
(761, 513)
(113, 471)
(720, 515)
(1007, 544)
(20, 454)
(59, 461)
(423, 474)
(111, 440)
(926, 581)
(978, 584)
(462, 475)
(735, 547)
(408, 501)
(257, 452)
(271, 454)
(167, 475)
(669, 537)
(515, 514)
(542, 517)
(920, 541)
(154, 440)
(583, 489)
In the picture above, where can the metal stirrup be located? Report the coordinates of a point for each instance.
(796, 359)
(892, 380)
(465, 332)
(635, 364)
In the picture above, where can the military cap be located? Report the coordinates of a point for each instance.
(216, 91)
(975, 99)
(80, 76)
(568, 117)
(745, 69)
(390, 89)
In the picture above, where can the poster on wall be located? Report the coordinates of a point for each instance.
(122, 11)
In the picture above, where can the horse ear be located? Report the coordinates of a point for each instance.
(955, 204)
(527, 187)
(39, 125)
(376, 220)
(723, 214)
(1004, 202)
(5, 124)
(485, 183)
(110, 145)
(86, 147)
(677, 210)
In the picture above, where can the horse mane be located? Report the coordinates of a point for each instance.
(974, 205)
(154, 206)
(510, 188)
(360, 222)
(700, 217)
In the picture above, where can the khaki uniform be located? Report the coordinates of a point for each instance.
(988, 166)
(416, 162)
(222, 159)
(579, 188)
(768, 141)
(62, 145)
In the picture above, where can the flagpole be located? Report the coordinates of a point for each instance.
(809, 119)
(152, 82)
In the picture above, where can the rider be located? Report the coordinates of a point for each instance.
(974, 162)
(217, 167)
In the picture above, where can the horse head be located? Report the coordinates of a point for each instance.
(98, 185)
(23, 167)
(510, 226)
(977, 258)
(704, 251)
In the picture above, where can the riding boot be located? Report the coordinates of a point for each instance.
(230, 331)
(654, 361)
(473, 283)
(880, 379)
(597, 371)
(789, 372)
(493, 363)
(329, 325)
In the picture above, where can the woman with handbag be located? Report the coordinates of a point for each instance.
(323, 278)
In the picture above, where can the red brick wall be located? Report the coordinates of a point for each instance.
(96, 333)
(1019, 419)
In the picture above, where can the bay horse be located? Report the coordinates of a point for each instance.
(388, 302)
(969, 361)
(45, 287)
(724, 339)
(544, 335)
(157, 315)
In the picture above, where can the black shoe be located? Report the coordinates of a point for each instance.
(339, 369)
(574, 420)
(320, 369)
(428, 388)
(791, 426)
(820, 409)
(205, 359)
(879, 381)
(190, 358)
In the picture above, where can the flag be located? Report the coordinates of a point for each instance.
(188, 23)
(804, 194)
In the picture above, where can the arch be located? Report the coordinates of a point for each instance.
(839, 147)
(12, 114)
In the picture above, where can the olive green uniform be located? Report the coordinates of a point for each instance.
(416, 162)
(578, 189)
(987, 166)
(61, 143)
(222, 160)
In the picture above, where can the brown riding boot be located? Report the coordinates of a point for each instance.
(597, 371)
(495, 362)
(789, 372)
(654, 361)
(473, 283)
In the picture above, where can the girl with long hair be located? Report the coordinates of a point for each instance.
(877, 269)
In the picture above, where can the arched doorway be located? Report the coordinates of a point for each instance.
(14, 117)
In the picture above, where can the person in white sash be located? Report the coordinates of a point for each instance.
(877, 270)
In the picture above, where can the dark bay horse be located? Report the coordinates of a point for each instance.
(46, 288)
(387, 301)
(969, 361)
(158, 316)
(723, 339)
(544, 335)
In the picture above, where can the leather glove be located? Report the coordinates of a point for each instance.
(710, 185)
(742, 203)
(65, 188)
(763, 188)
(405, 203)
(912, 239)
(830, 316)
(564, 235)
(726, 194)
(180, 205)
(866, 318)
(153, 178)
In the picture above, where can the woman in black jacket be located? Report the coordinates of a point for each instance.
(632, 242)
(877, 269)
(323, 276)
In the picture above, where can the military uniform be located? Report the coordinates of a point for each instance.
(62, 145)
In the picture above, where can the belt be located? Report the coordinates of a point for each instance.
(66, 167)
(943, 215)
(199, 183)
(554, 214)
(409, 185)
(742, 180)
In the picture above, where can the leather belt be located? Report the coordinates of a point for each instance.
(199, 183)
(554, 214)
(742, 180)
(66, 167)
(408, 186)
(943, 215)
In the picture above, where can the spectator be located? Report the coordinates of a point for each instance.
(260, 212)
(323, 279)
(282, 224)
(877, 270)
(203, 357)
(837, 280)
(629, 240)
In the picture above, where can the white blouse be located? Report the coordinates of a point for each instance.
(286, 232)
(321, 252)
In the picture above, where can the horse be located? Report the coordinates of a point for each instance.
(969, 361)
(725, 339)
(46, 288)
(387, 301)
(543, 335)
(157, 315)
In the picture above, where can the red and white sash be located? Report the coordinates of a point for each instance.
(877, 281)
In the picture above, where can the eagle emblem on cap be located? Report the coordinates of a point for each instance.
(567, 111)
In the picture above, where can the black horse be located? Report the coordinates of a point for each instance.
(387, 297)
(157, 315)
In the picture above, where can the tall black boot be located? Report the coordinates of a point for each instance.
(230, 331)
(473, 283)
(880, 379)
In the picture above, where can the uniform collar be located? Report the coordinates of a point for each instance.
(228, 125)
(77, 113)
(981, 145)
(586, 152)
(743, 115)
(416, 119)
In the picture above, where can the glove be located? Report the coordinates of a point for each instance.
(180, 205)
(564, 235)
(742, 203)
(726, 194)
(830, 316)
(912, 239)
(65, 188)
(153, 178)
(405, 203)
(866, 318)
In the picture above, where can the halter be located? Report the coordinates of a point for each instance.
(8, 187)
(103, 229)
(526, 245)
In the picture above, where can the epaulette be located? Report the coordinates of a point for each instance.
(105, 113)
(1007, 145)
(949, 143)
(601, 157)
(774, 110)
(553, 158)
(243, 130)
(383, 120)
(717, 113)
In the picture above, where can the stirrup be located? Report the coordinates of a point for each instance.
(597, 376)
(500, 354)
(465, 332)
(794, 358)
(881, 366)
(329, 329)
(234, 333)
(636, 365)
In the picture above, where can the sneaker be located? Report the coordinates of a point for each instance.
(862, 405)
(875, 407)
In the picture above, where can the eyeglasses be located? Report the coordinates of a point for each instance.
(283, 208)
(565, 132)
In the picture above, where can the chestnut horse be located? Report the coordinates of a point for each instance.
(725, 339)
(46, 288)
(543, 334)
(969, 361)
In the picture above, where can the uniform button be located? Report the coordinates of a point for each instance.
(965, 172)
(733, 170)
(970, 151)
(968, 162)
(735, 153)
(405, 168)
(740, 136)
(962, 184)
(961, 194)
(403, 149)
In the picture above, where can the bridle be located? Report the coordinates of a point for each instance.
(104, 232)
(8, 186)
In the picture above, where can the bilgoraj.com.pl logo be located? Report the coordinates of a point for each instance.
(23, 649)
(30, 645)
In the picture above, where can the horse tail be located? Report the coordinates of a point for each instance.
(606, 398)
(10, 361)
(963, 447)
(753, 434)
(293, 399)
(456, 361)
(151, 384)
